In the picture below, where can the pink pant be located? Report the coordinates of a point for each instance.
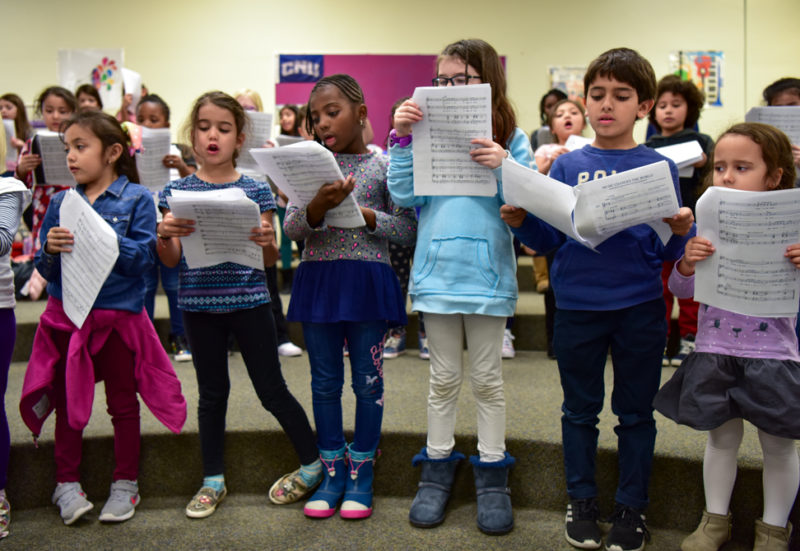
(114, 365)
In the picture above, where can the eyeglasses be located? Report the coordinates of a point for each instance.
(458, 80)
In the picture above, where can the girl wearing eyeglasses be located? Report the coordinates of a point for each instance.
(464, 280)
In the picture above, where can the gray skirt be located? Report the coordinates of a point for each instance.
(709, 389)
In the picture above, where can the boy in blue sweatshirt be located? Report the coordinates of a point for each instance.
(609, 301)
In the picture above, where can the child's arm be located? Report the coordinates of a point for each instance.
(400, 179)
(264, 237)
(399, 225)
(137, 246)
(328, 197)
(169, 232)
(27, 162)
(48, 258)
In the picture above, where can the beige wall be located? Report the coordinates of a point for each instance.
(185, 48)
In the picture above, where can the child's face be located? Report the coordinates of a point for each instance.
(215, 137)
(739, 164)
(287, 120)
(8, 110)
(87, 102)
(86, 159)
(567, 120)
(613, 107)
(337, 120)
(151, 115)
(54, 111)
(671, 112)
(789, 97)
(454, 67)
(550, 102)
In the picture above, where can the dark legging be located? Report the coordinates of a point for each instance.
(254, 330)
(8, 334)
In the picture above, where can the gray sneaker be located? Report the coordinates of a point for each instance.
(71, 501)
(122, 501)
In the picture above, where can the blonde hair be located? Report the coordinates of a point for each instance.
(252, 95)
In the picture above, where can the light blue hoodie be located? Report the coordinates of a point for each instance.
(464, 262)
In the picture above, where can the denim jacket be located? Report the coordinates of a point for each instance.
(128, 208)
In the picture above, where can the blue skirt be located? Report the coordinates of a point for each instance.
(346, 290)
(709, 389)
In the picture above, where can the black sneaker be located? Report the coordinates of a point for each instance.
(580, 527)
(628, 532)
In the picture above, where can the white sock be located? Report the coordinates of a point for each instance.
(719, 465)
(781, 477)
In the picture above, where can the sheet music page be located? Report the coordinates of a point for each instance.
(577, 142)
(150, 162)
(683, 154)
(785, 118)
(11, 151)
(452, 116)
(223, 221)
(547, 199)
(94, 253)
(283, 139)
(750, 231)
(54, 159)
(300, 169)
(257, 133)
(608, 205)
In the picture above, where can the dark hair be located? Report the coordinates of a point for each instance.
(776, 150)
(688, 91)
(223, 101)
(59, 91)
(484, 59)
(22, 127)
(787, 84)
(552, 92)
(346, 84)
(89, 90)
(624, 65)
(296, 110)
(154, 98)
(109, 132)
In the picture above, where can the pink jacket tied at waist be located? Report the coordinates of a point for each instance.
(156, 381)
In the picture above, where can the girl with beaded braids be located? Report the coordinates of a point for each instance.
(345, 290)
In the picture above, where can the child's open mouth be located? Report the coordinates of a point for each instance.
(213, 148)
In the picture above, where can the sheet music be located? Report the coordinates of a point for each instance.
(593, 211)
(258, 131)
(750, 231)
(54, 167)
(11, 151)
(223, 219)
(300, 169)
(547, 199)
(577, 142)
(785, 118)
(283, 139)
(94, 253)
(608, 205)
(452, 116)
(150, 162)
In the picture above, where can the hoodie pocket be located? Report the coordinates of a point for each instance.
(456, 265)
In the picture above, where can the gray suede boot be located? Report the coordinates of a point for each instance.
(435, 482)
(495, 516)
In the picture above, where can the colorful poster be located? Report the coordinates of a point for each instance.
(99, 67)
(704, 68)
(569, 80)
(384, 79)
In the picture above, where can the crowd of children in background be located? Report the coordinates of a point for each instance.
(346, 294)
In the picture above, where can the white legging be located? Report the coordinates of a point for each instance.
(781, 475)
(446, 345)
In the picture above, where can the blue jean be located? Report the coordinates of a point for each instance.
(324, 342)
(169, 281)
(582, 339)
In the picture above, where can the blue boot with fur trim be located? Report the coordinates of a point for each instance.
(435, 484)
(495, 516)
